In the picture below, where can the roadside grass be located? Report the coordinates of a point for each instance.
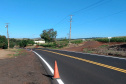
(76, 41)
(102, 46)
(16, 52)
(88, 50)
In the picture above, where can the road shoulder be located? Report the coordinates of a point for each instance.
(23, 69)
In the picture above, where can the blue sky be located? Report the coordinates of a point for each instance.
(91, 18)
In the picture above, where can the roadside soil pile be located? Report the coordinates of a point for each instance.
(95, 47)
(88, 44)
(23, 69)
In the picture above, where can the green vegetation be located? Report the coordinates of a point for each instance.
(102, 46)
(86, 50)
(49, 35)
(102, 40)
(14, 42)
(3, 42)
(20, 43)
(118, 39)
(76, 41)
(58, 44)
(114, 39)
(24, 43)
(17, 52)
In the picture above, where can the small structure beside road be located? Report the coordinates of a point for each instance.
(39, 42)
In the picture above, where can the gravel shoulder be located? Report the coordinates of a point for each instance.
(25, 68)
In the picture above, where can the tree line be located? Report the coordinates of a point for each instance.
(48, 35)
(14, 42)
(113, 39)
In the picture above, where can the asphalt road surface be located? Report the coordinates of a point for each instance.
(80, 68)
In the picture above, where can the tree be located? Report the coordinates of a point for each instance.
(49, 35)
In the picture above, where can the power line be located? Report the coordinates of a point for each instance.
(99, 4)
(88, 6)
(108, 15)
(112, 14)
(61, 20)
(94, 4)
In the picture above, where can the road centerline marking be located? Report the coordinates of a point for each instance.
(89, 61)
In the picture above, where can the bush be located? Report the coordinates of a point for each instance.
(61, 44)
(102, 40)
(23, 43)
(29, 41)
(12, 44)
(118, 39)
(114, 39)
(3, 42)
(77, 41)
(55, 44)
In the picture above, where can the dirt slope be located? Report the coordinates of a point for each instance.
(23, 69)
(88, 44)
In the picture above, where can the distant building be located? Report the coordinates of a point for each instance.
(39, 42)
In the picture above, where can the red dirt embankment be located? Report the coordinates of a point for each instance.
(89, 44)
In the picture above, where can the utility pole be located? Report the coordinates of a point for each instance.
(70, 28)
(34, 37)
(7, 34)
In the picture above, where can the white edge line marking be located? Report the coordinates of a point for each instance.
(60, 81)
(94, 54)
(50, 68)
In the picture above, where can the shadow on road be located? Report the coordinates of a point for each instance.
(50, 76)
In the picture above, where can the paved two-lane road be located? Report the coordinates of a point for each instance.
(79, 68)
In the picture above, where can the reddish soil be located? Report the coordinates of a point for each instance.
(4, 54)
(89, 44)
(23, 69)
